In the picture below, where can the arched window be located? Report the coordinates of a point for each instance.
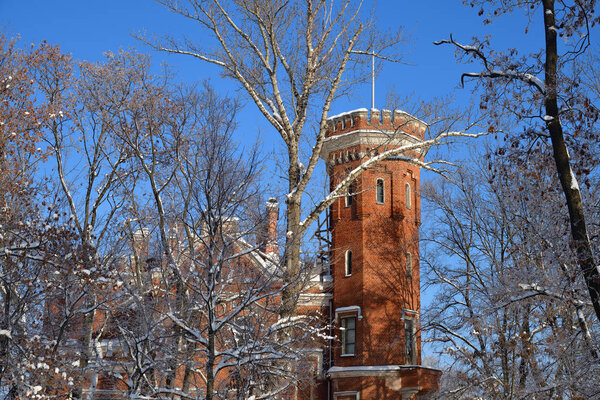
(348, 263)
(409, 265)
(350, 195)
(408, 196)
(380, 191)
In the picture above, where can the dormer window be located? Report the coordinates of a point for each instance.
(380, 192)
(348, 264)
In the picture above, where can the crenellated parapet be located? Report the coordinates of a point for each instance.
(354, 134)
(384, 120)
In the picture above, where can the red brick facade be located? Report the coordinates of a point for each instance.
(369, 291)
(377, 286)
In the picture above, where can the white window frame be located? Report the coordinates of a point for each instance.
(380, 190)
(337, 395)
(413, 335)
(349, 198)
(343, 338)
(348, 263)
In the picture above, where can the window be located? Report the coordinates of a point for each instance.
(347, 395)
(348, 332)
(348, 263)
(408, 196)
(409, 265)
(380, 191)
(410, 341)
(350, 195)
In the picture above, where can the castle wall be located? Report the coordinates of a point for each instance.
(383, 290)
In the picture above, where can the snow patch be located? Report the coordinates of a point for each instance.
(469, 48)
(348, 309)
(347, 113)
(574, 184)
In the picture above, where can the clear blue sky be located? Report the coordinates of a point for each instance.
(88, 28)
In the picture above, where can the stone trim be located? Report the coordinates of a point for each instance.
(371, 137)
(408, 313)
(347, 393)
(314, 299)
(349, 310)
(375, 370)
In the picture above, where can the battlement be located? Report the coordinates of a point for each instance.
(381, 120)
(353, 134)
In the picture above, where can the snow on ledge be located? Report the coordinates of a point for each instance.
(367, 368)
(375, 370)
(348, 309)
(347, 113)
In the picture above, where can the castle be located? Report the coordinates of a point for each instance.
(365, 285)
(370, 283)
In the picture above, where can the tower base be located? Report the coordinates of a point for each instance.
(386, 382)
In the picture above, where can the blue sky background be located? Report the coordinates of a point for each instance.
(87, 29)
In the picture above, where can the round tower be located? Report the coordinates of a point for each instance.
(375, 259)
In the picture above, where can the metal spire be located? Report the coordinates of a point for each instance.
(373, 81)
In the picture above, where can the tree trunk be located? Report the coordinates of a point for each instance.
(210, 364)
(291, 276)
(86, 340)
(4, 339)
(579, 234)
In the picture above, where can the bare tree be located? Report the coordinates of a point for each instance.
(133, 162)
(199, 313)
(87, 166)
(511, 313)
(550, 108)
(40, 246)
(293, 59)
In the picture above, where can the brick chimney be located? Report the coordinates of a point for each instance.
(271, 247)
(141, 239)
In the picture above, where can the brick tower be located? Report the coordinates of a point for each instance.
(375, 261)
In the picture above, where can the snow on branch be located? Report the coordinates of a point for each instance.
(421, 146)
(491, 72)
(530, 79)
(468, 49)
(533, 290)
